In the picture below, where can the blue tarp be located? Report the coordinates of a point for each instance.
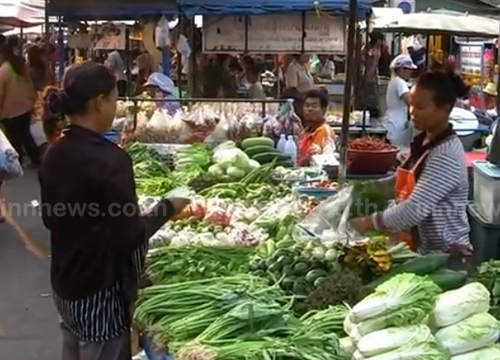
(110, 9)
(260, 7)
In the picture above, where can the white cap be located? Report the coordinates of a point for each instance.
(402, 61)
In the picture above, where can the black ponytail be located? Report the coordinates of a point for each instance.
(446, 87)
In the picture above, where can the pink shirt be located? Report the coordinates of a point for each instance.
(17, 95)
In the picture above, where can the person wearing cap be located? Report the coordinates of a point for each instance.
(398, 97)
(160, 86)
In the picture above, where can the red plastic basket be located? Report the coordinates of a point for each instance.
(371, 162)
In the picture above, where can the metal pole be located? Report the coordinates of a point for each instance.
(351, 36)
(366, 52)
(498, 72)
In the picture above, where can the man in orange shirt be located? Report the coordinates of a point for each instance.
(318, 137)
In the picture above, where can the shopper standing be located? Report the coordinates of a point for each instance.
(97, 254)
(298, 75)
(17, 98)
(396, 120)
(117, 66)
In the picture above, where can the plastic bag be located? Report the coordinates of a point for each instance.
(10, 167)
(220, 133)
(162, 33)
(159, 121)
(37, 133)
(329, 220)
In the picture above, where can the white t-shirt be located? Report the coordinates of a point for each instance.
(396, 117)
(299, 77)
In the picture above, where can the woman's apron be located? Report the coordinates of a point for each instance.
(405, 183)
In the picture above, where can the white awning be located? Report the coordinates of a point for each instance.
(432, 23)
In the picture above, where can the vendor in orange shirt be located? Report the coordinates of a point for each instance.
(318, 137)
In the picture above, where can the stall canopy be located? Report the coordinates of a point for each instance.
(475, 7)
(110, 9)
(260, 7)
(21, 13)
(445, 24)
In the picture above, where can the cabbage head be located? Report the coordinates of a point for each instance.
(488, 353)
(401, 291)
(456, 305)
(422, 351)
(382, 341)
(475, 332)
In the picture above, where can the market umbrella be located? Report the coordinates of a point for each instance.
(446, 24)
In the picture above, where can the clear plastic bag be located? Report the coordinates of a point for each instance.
(329, 220)
(10, 167)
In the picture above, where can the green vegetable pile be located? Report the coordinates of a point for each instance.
(297, 271)
(236, 317)
(171, 265)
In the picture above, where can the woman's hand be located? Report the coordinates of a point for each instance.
(178, 204)
(362, 224)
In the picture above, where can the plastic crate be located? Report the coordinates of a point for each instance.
(487, 190)
(484, 236)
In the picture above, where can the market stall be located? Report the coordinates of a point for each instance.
(262, 264)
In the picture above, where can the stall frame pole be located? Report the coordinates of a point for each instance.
(365, 75)
(351, 37)
(60, 45)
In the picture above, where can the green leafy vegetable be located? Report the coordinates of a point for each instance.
(404, 290)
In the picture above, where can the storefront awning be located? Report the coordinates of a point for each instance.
(261, 7)
(444, 24)
(21, 13)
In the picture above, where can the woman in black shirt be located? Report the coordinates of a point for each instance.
(98, 236)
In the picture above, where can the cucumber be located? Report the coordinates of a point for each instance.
(259, 149)
(285, 163)
(314, 274)
(256, 141)
(422, 265)
(265, 158)
(448, 279)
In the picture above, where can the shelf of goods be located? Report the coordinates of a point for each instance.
(254, 269)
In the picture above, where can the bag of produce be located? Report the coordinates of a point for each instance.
(328, 221)
(489, 353)
(382, 341)
(401, 291)
(421, 351)
(457, 305)
(475, 332)
(159, 121)
(10, 167)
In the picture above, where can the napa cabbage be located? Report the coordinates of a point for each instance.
(382, 341)
(489, 353)
(427, 351)
(401, 291)
(475, 332)
(456, 305)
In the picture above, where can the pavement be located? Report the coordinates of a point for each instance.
(28, 320)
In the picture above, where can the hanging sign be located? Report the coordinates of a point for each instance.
(108, 36)
(279, 33)
(471, 59)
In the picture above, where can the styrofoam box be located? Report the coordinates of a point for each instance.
(487, 191)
